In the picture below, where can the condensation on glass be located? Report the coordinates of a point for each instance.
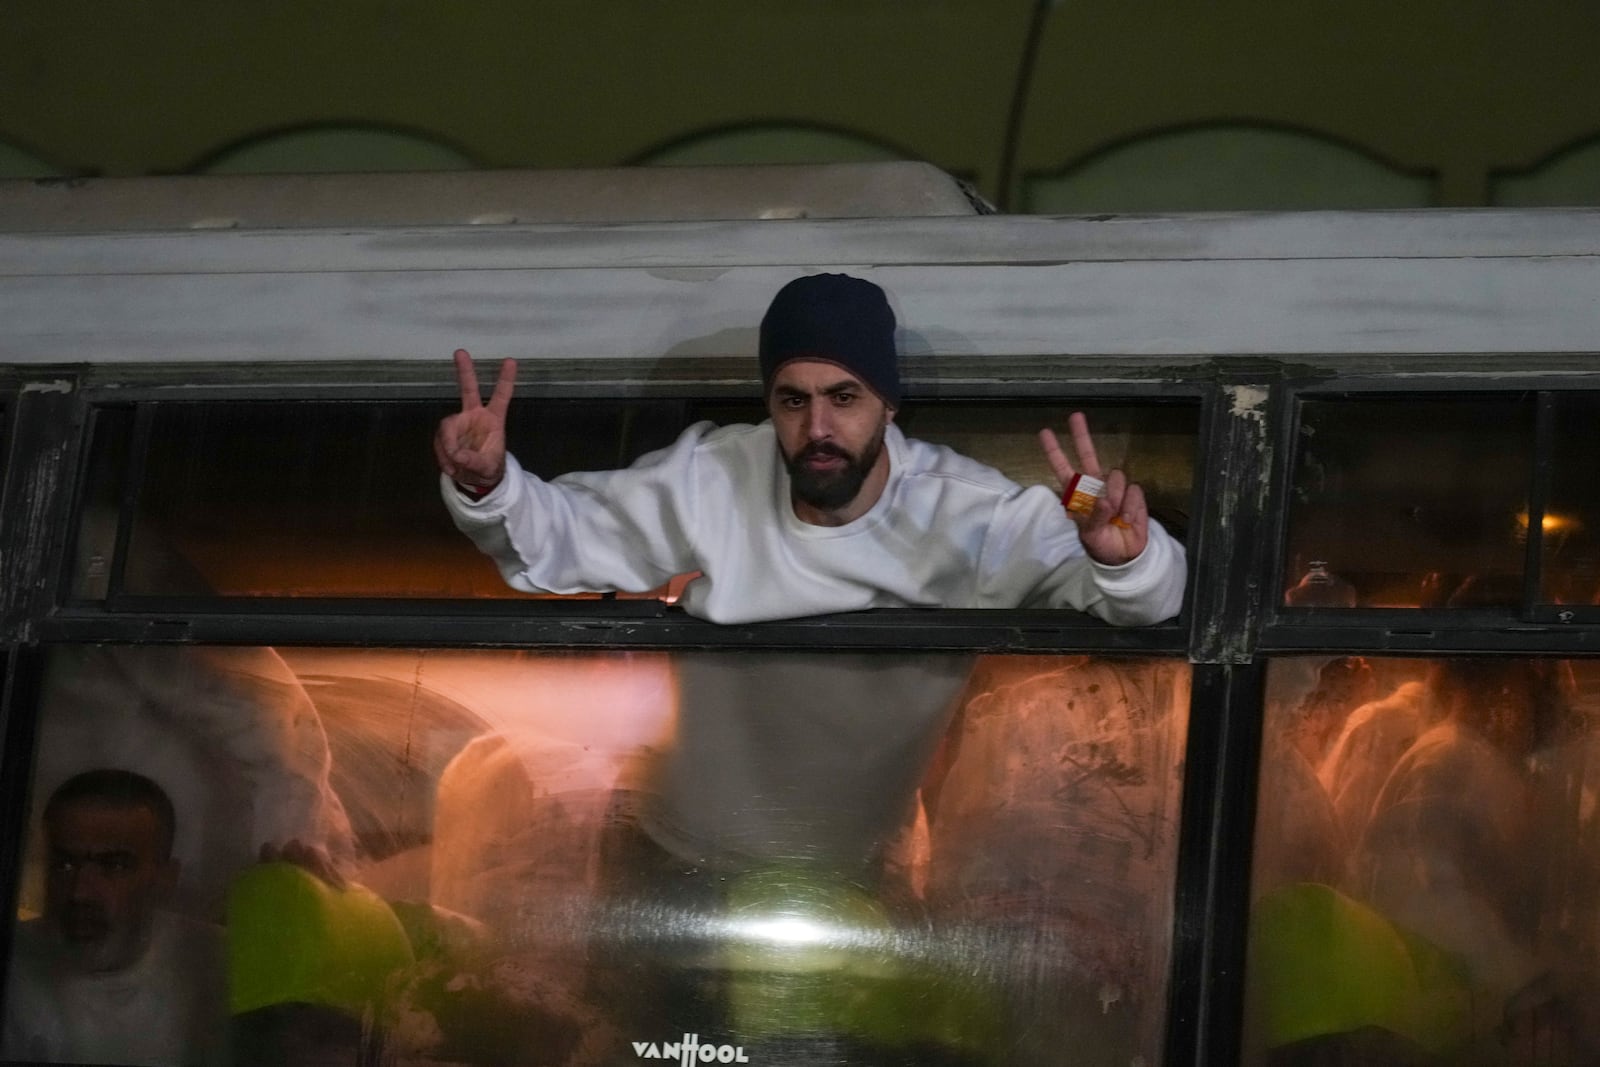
(794, 857)
(1406, 503)
(1427, 863)
(340, 499)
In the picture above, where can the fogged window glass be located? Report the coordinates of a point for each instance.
(341, 499)
(478, 857)
(1409, 502)
(1571, 572)
(1427, 863)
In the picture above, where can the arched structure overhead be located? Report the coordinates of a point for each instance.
(996, 91)
(1430, 85)
(1224, 168)
(770, 143)
(557, 83)
(1568, 179)
(16, 163)
(336, 149)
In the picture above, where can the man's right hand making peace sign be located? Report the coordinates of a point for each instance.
(471, 444)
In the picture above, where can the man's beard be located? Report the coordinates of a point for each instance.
(830, 490)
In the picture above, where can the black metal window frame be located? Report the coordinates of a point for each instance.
(1226, 726)
(424, 622)
(1230, 628)
(1532, 627)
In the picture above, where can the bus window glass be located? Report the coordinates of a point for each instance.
(476, 856)
(1153, 445)
(1409, 503)
(100, 503)
(1571, 565)
(338, 499)
(331, 499)
(1427, 857)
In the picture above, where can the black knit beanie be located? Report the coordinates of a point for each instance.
(833, 318)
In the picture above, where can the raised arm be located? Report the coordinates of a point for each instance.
(1117, 529)
(470, 445)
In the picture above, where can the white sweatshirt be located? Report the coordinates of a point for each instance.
(947, 532)
(167, 1008)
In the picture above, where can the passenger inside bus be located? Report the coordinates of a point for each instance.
(107, 974)
(1461, 807)
(1441, 850)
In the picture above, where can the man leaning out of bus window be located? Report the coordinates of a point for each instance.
(825, 507)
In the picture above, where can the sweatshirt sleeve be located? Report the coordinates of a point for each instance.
(1148, 588)
(595, 531)
(1032, 557)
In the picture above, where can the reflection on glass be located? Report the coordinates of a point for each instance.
(503, 857)
(1409, 503)
(1320, 588)
(1571, 526)
(99, 501)
(1427, 861)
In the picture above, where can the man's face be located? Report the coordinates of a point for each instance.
(830, 431)
(109, 868)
